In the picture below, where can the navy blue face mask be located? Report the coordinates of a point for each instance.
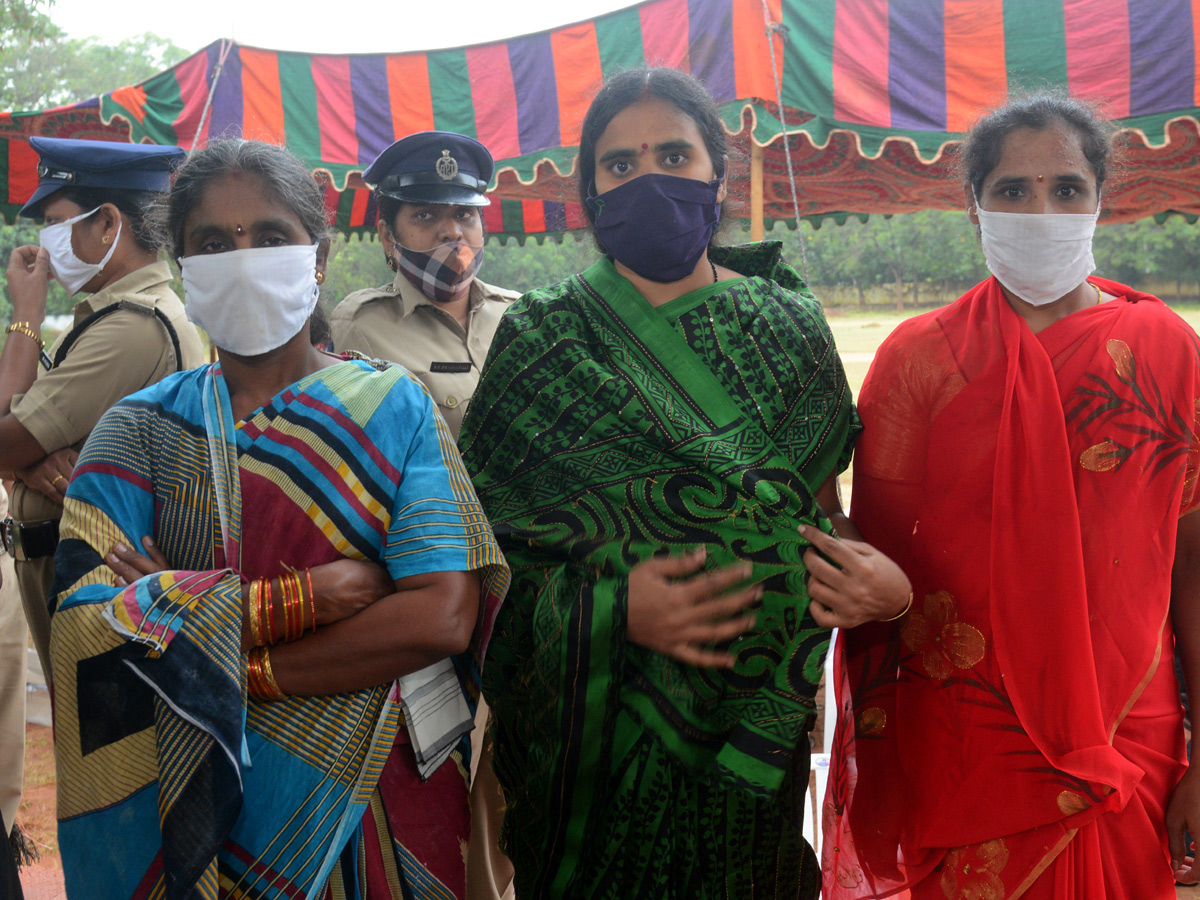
(658, 225)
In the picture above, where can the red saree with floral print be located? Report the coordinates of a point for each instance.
(1018, 733)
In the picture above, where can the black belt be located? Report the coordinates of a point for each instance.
(29, 540)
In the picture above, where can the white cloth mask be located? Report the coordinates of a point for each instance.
(71, 271)
(251, 301)
(1038, 256)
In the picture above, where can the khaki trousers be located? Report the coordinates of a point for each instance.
(13, 643)
(489, 871)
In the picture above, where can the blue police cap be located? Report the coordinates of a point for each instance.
(100, 164)
(433, 167)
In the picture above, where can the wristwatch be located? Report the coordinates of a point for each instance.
(29, 540)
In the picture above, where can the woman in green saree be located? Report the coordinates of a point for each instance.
(661, 435)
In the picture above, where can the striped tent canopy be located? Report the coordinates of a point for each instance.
(875, 94)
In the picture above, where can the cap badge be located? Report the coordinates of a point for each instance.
(447, 166)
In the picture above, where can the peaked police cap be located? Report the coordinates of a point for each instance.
(433, 167)
(100, 164)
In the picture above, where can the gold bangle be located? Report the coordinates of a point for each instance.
(260, 680)
(907, 607)
(26, 329)
(253, 589)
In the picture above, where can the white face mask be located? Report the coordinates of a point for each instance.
(71, 271)
(251, 301)
(1038, 256)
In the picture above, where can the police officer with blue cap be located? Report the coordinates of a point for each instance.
(436, 318)
(129, 332)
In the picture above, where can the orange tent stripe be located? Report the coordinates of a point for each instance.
(408, 86)
(751, 62)
(1196, 51)
(535, 216)
(262, 104)
(578, 73)
(860, 63)
(975, 62)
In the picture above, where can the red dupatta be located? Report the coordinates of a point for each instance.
(1029, 484)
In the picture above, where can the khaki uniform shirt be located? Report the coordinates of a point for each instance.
(398, 323)
(116, 356)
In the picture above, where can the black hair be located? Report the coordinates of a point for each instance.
(136, 206)
(632, 86)
(285, 178)
(389, 208)
(1037, 111)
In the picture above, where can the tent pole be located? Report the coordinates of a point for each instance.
(756, 192)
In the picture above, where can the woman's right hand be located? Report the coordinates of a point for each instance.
(679, 613)
(29, 283)
(346, 586)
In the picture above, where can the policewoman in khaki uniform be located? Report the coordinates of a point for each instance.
(128, 333)
(438, 320)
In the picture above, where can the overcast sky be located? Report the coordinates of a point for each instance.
(372, 26)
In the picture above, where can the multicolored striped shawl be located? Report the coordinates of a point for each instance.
(170, 782)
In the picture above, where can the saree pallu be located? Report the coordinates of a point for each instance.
(171, 781)
(1018, 733)
(613, 431)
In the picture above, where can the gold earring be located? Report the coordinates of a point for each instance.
(106, 239)
(320, 278)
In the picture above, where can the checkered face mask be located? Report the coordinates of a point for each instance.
(444, 272)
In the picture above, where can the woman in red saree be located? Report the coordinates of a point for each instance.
(1029, 458)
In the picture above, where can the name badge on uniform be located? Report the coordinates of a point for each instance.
(450, 368)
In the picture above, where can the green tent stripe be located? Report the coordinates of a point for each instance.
(513, 216)
(1035, 44)
(450, 88)
(619, 37)
(164, 106)
(808, 55)
(301, 124)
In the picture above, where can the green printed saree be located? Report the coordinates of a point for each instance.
(605, 431)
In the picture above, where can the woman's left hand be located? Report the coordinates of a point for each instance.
(129, 565)
(1183, 817)
(864, 586)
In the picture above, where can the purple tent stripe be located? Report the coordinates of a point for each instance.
(917, 64)
(556, 216)
(372, 106)
(532, 62)
(710, 47)
(226, 116)
(1162, 57)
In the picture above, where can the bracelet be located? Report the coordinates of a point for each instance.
(293, 606)
(907, 607)
(26, 329)
(260, 680)
(312, 600)
(268, 612)
(254, 613)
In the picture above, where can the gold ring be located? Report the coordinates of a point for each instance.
(57, 479)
